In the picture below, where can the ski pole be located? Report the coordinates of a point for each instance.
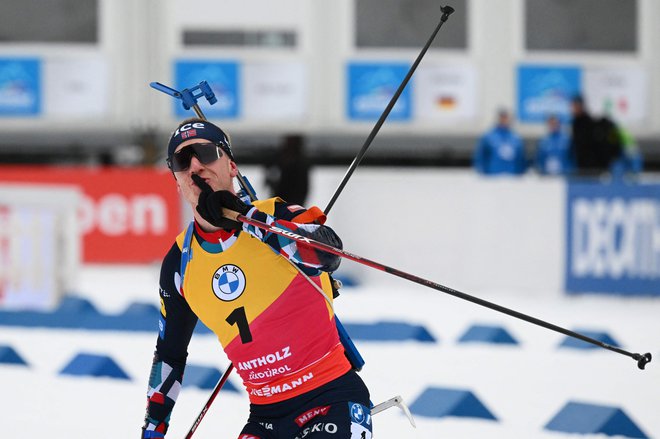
(642, 360)
(206, 407)
(446, 12)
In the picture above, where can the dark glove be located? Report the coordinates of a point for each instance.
(210, 205)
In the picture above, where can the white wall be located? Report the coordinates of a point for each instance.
(456, 228)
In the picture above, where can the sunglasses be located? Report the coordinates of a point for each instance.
(205, 152)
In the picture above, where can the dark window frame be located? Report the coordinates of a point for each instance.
(548, 28)
(50, 22)
(414, 20)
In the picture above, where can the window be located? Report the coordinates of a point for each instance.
(584, 25)
(408, 23)
(52, 21)
(239, 38)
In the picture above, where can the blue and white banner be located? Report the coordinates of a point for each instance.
(222, 76)
(275, 91)
(613, 238)
(545, 90)
(20, 87)
(371, 87)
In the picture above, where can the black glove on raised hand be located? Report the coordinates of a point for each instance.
(210, 205)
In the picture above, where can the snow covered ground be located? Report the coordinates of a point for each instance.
(524, 386)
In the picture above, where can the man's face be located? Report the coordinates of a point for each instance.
(504, 120)
(219, 174)
(577, 108)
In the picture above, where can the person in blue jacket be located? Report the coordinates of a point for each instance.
(500, 150)
(553, 153)
(631, 161)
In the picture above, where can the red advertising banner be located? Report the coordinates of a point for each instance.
(127, 214)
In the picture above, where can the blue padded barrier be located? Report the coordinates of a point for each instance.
(77, 313)
(389, 331)
(84, 364)
(583, 418)
(9, 356)
(487, 334)
(136, 317)
(72, 312)
(141, 310)
(204, 377)
(438, 402)
(30, 319)
(576, 343)
(76, 305)
(201, 328)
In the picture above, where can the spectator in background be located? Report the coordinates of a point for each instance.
(596, 143)
(288, 175)
(582, 127)
(553, 153)
(631, 161)
(500, 150)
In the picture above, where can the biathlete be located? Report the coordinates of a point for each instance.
(276, 327)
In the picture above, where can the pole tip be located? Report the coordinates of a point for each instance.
(642, 360)
(447, 10)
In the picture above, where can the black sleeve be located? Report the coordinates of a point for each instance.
(177, 319)
(176, 326)
(287, 211)
(295, 219)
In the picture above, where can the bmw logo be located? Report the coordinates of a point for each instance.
(357, 413)
(228, 282)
